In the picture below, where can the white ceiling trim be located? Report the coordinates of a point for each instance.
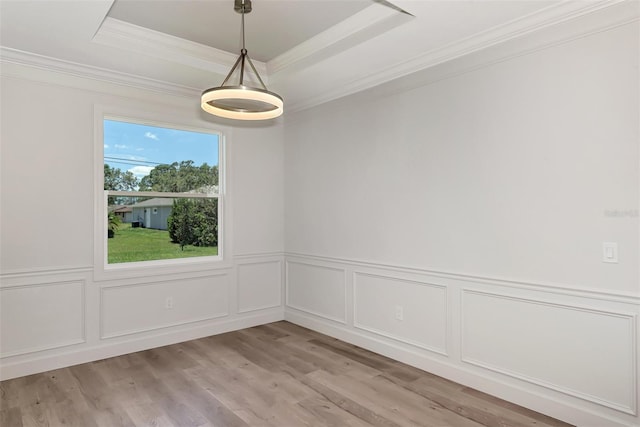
(18, 57)
(366, 24)
(517, 28)
(514, 29)
(374, 20)
(125, 36)
(511, 30)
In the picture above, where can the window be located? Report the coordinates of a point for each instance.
(162, 198)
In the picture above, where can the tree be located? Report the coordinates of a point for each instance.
(179, 223)
(113, 224)
(194, 222)
(180, 177)
(117, 180)
(204, 222)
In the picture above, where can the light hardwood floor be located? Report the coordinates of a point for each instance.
(273, 375)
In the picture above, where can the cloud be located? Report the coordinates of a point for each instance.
(139, 149)
(106, 146)
(121, 146)
(151, 136)
(141, 171)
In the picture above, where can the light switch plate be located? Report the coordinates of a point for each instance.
(610, 252)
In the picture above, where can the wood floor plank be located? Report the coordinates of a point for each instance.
(282, 355)
(482, 411)
(178, 410)
(38, 415)
(147, 414)
(367, 414)
(351, 352)
(328, 414)
(275, 375)
(252, 401)
(393, 403)
(11, 417)
(330, 361)
(67, 413)
(203, 402)
(69, 387)
(513, 408)
(374, 361)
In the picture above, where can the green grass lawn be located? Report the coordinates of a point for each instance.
(143, 244)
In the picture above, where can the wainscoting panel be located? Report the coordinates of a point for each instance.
(259, 285)
(579, 351)
(317, 289)
(144, 307)
(49, 315)
(408, 311)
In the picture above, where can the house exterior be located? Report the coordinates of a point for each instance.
(152, 213)
(125, 213)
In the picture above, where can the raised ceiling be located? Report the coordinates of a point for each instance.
(272, 28)
(309, 51)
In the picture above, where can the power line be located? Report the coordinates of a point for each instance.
(132, 161)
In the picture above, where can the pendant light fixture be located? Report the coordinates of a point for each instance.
(239, 101)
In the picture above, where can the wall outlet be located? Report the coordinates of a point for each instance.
(168, 303)
(399, 312)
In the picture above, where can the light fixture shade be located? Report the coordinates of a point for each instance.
(242, 103)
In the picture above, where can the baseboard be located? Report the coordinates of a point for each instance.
(105, 349)
(524, 395)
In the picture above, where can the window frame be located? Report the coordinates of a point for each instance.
(166, 119)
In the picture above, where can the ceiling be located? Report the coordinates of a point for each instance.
(308, 51)
(272, 28)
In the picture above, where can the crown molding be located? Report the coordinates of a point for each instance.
(18, 57)
(366, 24)
(581, 15)
(512, 30)
(125, 36)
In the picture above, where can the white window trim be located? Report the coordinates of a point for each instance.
(169, 119)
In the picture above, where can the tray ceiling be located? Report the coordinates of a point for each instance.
(308, 51)
(272, 28)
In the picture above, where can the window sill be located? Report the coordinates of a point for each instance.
(132, 270)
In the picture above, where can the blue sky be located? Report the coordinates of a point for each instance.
(139, 148)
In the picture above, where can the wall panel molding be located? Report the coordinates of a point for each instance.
(321, 285)
(250, 257)
(60, 325)
(194, 299)
(259, 285)
(13, 278)
(428, 313)
(460, 277)
(515, 336)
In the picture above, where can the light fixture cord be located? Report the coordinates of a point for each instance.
(243, 52)
(244, 56)
(242, 12)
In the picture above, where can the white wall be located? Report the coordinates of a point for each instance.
(53, 312)
(475, 198)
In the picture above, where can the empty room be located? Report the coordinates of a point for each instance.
(319, 213)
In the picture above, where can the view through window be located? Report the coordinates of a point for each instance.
(162, 192)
